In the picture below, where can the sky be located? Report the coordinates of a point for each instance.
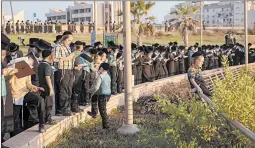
(160, 9)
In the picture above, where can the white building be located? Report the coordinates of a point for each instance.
(82, 11)
(229, 13)
(19, 16)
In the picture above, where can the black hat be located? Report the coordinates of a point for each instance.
(105, 50)
(141, 48)
(133, 46)
(78, 43)
(121, 47)
(58, 37)
(32, 41)
(46, 53)
(175, 43)
(84, 44)
(42, 45)
(86, 57)
(173, 48)
(97, 44)
(67, 33)
(170, 43)
(93, 51)
(5, 41)
(105, 66)
(197, 54)
(156, 45)
(13, 47)
(249, 44)
(119, 55)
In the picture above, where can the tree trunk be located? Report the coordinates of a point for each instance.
(186, 38)
(139, 40)
(14, 26)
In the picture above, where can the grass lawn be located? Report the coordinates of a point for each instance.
(163, 40)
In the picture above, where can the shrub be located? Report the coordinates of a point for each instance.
(235, 96)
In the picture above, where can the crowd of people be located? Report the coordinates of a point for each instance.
(77, 74)
(47, 27)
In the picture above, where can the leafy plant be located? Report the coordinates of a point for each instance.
(235, 96)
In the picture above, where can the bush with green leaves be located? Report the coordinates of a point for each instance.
(235, 96)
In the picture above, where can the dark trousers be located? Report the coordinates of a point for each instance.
(85, 95)
(36, 107)
(120, 81)
(77, 87)
(64, 85)
(48, 105)
(99, 102)
(113, 73)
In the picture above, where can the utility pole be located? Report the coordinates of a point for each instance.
(95, 17)
(108, 17)
(14, 27)
(201, 22)
(128, 127)
(246, 34)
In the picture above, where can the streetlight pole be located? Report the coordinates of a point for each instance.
(14, 27)
(201, 22)
(128, 127)
(246, 34)
(95, 18)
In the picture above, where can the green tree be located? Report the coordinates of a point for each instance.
(140, 9)
(184, 21)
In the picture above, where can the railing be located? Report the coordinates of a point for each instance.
(248, 133)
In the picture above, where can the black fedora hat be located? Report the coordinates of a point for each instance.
(42, 45)
(58, 37)
(32, 41)
(12, 47)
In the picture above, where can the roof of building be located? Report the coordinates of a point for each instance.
(56, 10)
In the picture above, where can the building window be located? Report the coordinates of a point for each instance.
(87, 10)
(64, 16)
(213, 22)
(58, 17)
(48, 18)
(241, 20)
(207, 10)
(54, 18)
(82, 19)
(76, 19)
(75, 12)
(81, 10)
(222, 9)
(88, 18)
(207, 22)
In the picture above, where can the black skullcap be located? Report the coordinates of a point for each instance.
(97, 44)
(84, 43)
(78, 43)
(67, 33)
(13, 47)
(175, 43)
(249, 44)
(105, 66)
(197, 54)
(46, 53)
(5, 41)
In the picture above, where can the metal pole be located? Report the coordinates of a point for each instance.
(95, 18)
(128, 127)
(246, 34)
(201, 23)
(108, 17)
(14, 27)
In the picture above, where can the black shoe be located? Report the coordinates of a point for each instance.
(42, 128)
(52, 122)
(92, 115)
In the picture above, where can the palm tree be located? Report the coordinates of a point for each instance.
(139, 9)
(184, 21)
